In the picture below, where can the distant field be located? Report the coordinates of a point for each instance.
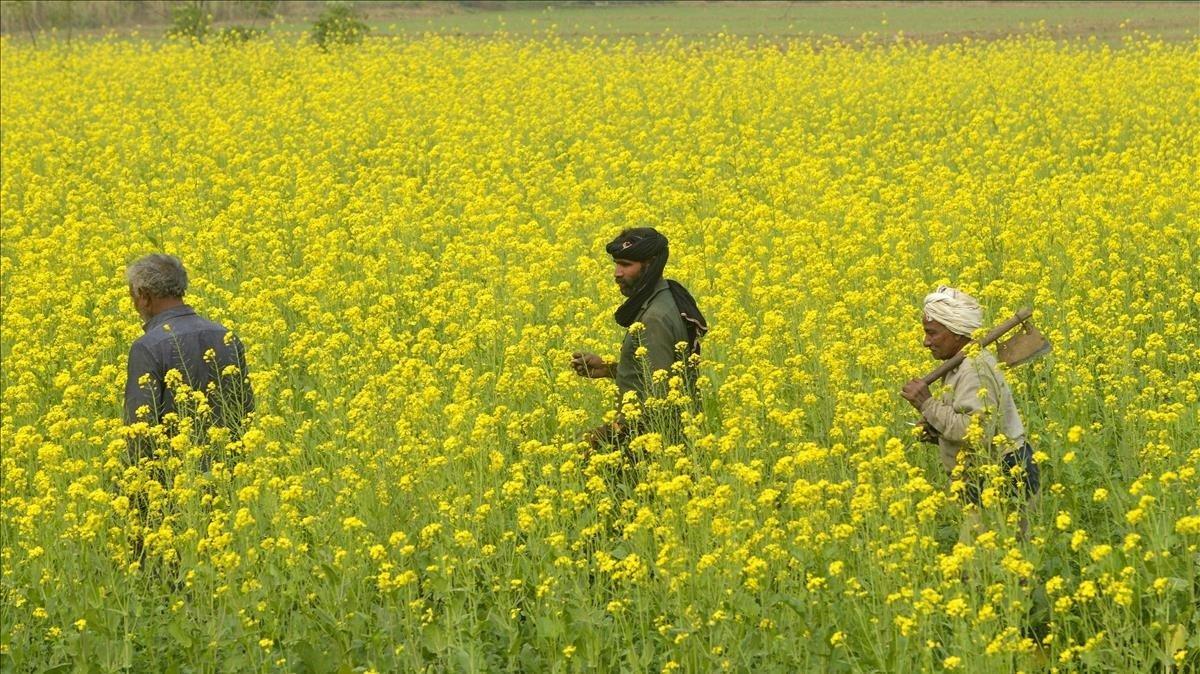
(934, 22)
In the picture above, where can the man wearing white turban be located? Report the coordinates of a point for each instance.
(974, 420)
(957, 311)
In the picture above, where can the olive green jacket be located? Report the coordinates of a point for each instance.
(664, 328)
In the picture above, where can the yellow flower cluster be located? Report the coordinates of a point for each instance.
(408, 236)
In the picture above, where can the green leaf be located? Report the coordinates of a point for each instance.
(311, 659)
(1177, 641)
(330, 573)
(795, 604)
(549, 628)
(463, 660)
(434, 637)
(176, 631)
(238, 662)
(515, 642)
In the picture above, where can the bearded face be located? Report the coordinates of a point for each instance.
(627, 274)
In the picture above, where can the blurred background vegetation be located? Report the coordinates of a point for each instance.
(928, 21)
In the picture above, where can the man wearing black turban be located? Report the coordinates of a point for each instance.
(669, 315)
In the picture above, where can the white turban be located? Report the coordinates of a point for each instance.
(956, 310)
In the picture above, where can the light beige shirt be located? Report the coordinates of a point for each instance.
(951, 412)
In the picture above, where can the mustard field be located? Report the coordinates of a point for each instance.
(409, 236)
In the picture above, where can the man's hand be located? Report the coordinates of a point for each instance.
(605, 435)
(590, 365)
(929, 434)
(596, 438)
(916, 392)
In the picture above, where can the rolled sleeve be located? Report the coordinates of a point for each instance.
(952, 419)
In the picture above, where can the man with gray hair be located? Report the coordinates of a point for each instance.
(179, 349)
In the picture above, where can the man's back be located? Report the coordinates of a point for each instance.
(200, 350)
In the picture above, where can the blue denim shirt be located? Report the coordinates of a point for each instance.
(179, 339)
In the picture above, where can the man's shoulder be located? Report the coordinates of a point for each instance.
(178, 326)
(980, 361)
(978, 368)
(208, 324)
(196, 322)
(152, 338)
(662, 303)
(662, 307)
(146, 342)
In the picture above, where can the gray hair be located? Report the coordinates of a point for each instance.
(157, 275)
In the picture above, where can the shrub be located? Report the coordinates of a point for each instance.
(189, 20)
(338, 24)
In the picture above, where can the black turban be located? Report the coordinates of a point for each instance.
(642, 244)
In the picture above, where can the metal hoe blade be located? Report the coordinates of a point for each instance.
(1024, 346)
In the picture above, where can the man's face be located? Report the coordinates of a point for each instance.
(141, 303)
(627, 273)
(942, 343)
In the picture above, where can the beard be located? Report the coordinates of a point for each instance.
(629, 286)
